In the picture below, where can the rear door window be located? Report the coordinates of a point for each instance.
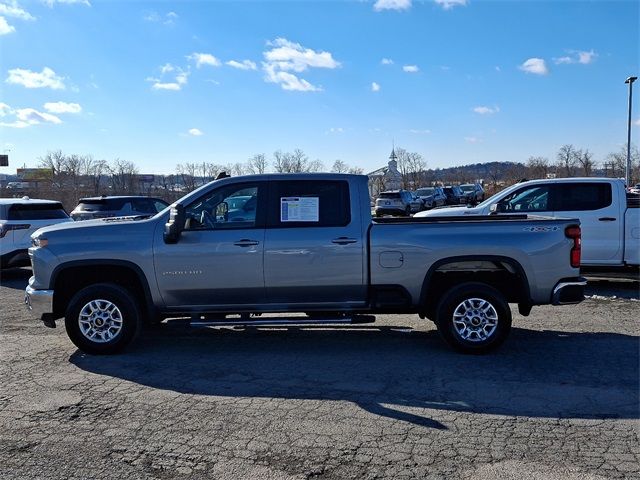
(309, 203)
(573, 197)
(36, 211)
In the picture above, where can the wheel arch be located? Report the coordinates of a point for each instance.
(68, 277)
(518, 292)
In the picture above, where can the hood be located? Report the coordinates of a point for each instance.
(450, 211)
(93, 226)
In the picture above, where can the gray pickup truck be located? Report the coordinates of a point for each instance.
(259, 245)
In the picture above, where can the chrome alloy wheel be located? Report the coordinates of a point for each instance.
(100, 321)
(475, 320)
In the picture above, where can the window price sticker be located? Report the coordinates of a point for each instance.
(299, 209)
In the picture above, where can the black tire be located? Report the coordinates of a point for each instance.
(126, 315)
(475, 325)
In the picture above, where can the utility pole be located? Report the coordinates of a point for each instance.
(627, 177)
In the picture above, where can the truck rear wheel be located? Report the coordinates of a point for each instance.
(473, 318)
(102, 319)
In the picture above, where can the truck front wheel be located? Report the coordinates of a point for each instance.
(473, 318)
(102, 319)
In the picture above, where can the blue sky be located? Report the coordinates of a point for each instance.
(162, 83)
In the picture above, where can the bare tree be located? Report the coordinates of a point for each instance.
(538, 167)
(411, 166)
(585, 158)
(618, 163)
(55, 161)
(95, 170)
(257, 165)
(567, 158)
(123, 176)
(339, 167)
(295, 162)
(356, 170)
(187, 173)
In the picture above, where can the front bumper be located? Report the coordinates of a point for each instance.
(569, 291)
(40, 303)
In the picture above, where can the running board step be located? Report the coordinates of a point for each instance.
(279, 321)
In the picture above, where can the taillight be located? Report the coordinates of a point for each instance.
(7, 228)
(575, 234)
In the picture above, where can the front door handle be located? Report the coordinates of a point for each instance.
(344, 240)
(245, 242)
(607, 219)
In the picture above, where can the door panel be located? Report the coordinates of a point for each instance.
(314, 265)
(208, 268)
(320, 261)
(600, 219)
(218, 259)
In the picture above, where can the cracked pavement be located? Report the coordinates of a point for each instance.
(560, 400)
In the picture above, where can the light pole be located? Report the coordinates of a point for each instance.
(630, 81)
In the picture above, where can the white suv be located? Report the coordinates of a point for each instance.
(19, 218)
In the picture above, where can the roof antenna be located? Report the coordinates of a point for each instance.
(222, 175)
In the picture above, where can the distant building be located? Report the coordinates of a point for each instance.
(385, 178)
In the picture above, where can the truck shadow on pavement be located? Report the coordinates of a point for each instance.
(391, 372)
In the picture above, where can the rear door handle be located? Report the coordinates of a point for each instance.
(245, 242)
(344, 240)
(607, 219)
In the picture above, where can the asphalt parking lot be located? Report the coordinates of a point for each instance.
(559, 401)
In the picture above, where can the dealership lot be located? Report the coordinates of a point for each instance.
(390, 400)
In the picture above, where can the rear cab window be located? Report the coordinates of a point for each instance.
(574, 197)
(309, 203)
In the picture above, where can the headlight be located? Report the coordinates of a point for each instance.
(39, 242)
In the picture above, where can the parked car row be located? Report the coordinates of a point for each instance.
(404, 202)
(20, 217)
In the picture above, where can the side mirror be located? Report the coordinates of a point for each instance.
(222, 211)
(173, 228)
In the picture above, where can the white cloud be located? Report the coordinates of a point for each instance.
(386, 61)
(576, 56)
(562, 60)
(411, 68)
(5, 28)
(586, 57)
(195, 132)
(419, 132)
(243, 65)
(45, 79)
(5, 109)
(204, 59)
(534, 65)
(483, 110)
(25, 117)
(180, 78)
(51, 3)
(285, 57)
(375, 87)
(336, 130)
(391, 5)
(637, 122)
(12, 9)
(472, 139)
(62, 107)
(166, 19)
(449, 4)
